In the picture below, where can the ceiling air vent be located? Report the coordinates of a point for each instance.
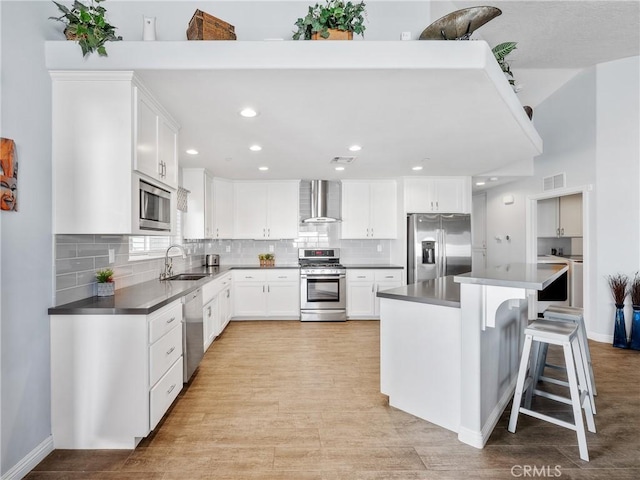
(342, 160)
(552, 182)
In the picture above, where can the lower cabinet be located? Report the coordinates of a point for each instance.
(113, 377)
(362, 287)
(266, 294)
(216, 296)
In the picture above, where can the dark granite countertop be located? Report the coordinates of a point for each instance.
(439, 291)
(147, 297)
(534, 276)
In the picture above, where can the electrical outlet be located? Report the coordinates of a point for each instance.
(112, 255)
(228, 249)
(272, 248)
(405, 36)
(379, 248)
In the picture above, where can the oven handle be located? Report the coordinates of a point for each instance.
(322, 277)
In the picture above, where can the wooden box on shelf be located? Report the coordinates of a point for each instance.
(204, 26)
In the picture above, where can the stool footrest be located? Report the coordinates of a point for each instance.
(552, 396)
(555, 381)
(547, 418)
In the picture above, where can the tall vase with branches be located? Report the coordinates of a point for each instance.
(618, 284)
(634, 293)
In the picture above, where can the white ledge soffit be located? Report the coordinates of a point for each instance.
(355, 55)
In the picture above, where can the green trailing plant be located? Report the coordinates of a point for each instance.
(500, 52)
(87, 25)
(634, 290)
(104, 276)
(334, 14)
(618, 284)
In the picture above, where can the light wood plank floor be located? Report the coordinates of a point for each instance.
(290, 400)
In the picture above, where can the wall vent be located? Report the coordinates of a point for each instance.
(342, 160)
(552, 182)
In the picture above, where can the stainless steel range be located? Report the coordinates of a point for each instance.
(323, 292)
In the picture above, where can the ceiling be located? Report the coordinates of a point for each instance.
(401, 117)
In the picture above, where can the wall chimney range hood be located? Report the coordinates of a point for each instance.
(319, 202)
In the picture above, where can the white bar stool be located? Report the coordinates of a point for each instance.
(564, 334)
(575, 315)
(571, 315)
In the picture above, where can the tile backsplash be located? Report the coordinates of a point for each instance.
(79, 256)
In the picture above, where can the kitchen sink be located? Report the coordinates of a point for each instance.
(187, 276)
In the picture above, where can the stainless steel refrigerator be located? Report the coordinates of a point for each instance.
(438, 244)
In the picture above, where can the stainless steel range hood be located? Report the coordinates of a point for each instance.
(319, 203)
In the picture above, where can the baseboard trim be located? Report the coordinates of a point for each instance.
(479, 439)
(29, 462)
(599, 337)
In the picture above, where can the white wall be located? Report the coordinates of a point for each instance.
(590, 128)
(26, 240)
(618, 190)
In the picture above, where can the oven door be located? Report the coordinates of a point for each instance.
(323, 292)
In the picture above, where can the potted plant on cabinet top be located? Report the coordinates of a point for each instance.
(335, 20)
(88, 26)
(106, 285)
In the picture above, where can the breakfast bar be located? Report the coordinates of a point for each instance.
(450, 347)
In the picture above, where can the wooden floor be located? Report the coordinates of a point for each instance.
(291, 400)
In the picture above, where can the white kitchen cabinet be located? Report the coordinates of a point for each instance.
(560, 216)
(216, 295)
(198, 219)
(222, 208)
(369, 209)
(113, 376)
(156, 140)
(108, 133)
(266, 210)
(437, 194)
(210, 321)
(264, 294)
(363, 286)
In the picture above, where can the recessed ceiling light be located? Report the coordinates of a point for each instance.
(417, 167)
(479, 184)
(263, 169)
(192, 151)
(255, 148)
(248, 112)
(493, 179)
(355, 148)
(339, 169)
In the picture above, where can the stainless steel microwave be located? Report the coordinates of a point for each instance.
(155, 208)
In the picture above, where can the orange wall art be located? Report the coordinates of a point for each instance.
(8, 175)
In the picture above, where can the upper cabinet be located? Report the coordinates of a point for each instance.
(198, 219)
(437, 195)
(222, 208)
(560, 216)
(210, 205)
(369, 209)
(265, 210)
(108, 133)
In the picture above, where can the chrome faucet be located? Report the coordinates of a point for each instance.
(168, 262)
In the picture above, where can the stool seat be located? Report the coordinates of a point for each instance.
(545, 332)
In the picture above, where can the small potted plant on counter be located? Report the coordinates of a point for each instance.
(106, 285)
(335, 20)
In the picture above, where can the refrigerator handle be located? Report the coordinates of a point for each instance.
(444, 252)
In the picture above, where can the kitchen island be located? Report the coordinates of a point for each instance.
(450, 355)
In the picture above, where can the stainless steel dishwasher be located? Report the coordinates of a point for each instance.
(192, 332)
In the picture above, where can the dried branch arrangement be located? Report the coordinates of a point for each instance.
(634, 290)
(618, 284)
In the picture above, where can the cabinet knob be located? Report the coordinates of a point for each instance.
(171, 388)
(170, 351)
(171, 319)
